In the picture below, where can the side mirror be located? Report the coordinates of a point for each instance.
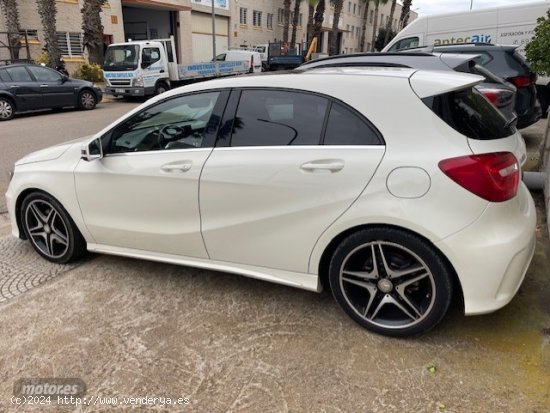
(64, 78)
(92, 150)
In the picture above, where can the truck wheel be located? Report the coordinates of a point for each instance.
(161, 87)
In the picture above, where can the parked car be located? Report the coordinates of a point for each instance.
(25, 87)
(252, 57)
(304, 179)
(508, 63)
(500, 92)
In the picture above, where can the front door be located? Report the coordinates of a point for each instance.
(56, 90)
(143, 194)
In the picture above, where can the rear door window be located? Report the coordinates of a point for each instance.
(470, 114)
(344, 127)
(4, 77)
(19, 74)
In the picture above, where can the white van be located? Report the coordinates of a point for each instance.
(253, 58)
(510, 25)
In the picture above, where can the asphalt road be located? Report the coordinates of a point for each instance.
(33, 131)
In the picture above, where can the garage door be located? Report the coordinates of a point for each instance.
(202, 36)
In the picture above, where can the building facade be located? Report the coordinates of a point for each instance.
(237, 23)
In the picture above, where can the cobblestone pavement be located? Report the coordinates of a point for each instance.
(21, 268)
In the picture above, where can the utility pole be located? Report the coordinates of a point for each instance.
(213, 32)
(471, 4)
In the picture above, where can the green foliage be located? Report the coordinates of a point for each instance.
(538, 49)
(379, 43)
(43, 58)
(91, 72)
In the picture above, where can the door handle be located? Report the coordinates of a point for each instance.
(161, 71)
(43, 85)
(176, 167)
(331, 165)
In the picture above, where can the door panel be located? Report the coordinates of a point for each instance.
(55, 92)
(135, 200)
(268, 206)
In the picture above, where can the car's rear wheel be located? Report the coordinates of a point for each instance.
(87, 100)
(390, 281)
(7, 109)
(50, 229)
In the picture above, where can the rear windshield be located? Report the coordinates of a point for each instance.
(470, 114)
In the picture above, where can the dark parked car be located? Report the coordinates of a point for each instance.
(500, 92)
(26, 87)
(506, 62)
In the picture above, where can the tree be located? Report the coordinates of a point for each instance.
(537, 50)
(11, 15)
(388, 25)
(381, 38)
(93, 30)
(364, 25)
(295, 21)
(48, 11)
(310, 12)
(286, 19)
(333, 46)
(377, 3)
(405, 13)
(318, 18)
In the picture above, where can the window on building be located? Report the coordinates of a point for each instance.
(243, 15)
(257, 18)
(280, 16)
(354, 8)
(357, 31)
(352, 30)
(371, 17)
(347, 30)
(300, 19)
(70, 43)
(349, 6)
(381, 21)
(269, 21)
(30, 35)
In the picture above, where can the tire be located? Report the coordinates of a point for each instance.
(7, 109)
(50, 229)
(390, 281)
(160, 88)
(87, 100)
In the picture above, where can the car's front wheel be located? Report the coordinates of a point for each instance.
(87, 100)
(7, 110)
(50, 229)
(390, 281)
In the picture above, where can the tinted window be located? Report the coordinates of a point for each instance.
(19, 74)
(150, 55)
(272, 117)
(470, 114)
(344, 127)
(44, 75)
(4, 77)
(407, 43)
(178, 123)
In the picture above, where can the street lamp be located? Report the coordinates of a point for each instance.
(213, 32)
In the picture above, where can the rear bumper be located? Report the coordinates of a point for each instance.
(494, 253)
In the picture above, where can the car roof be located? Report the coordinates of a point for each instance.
(429, 61)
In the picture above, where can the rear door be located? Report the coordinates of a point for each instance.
(286, 165)
(24, 88)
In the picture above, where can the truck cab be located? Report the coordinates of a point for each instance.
(138, 68)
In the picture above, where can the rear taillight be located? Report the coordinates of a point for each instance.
(491, 176)
(523, 81)
(497, 97)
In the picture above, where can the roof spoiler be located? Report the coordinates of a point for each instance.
(430, 83)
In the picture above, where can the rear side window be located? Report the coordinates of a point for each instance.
(470, 114)
(278, 118)
(344, 127)
(4, 77)
(19, 74)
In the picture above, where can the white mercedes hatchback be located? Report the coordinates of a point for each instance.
(394, 188)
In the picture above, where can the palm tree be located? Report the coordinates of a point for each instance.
(333, 46)
(286, 19)
(377, 3)
(48, 11)
(364, 25)
(318, 18)
(405, 13)
(310, 12)
(390, 20)
(11, 14)
(93, 30)
(295, 21)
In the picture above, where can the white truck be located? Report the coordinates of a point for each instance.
(509, 25)
(150, 67)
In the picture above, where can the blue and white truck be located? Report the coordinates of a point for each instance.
(150, 67)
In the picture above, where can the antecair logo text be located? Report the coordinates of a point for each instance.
(475, 38)
(49, 387)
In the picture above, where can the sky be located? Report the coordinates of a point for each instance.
(427, 7)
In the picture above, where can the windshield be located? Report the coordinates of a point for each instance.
(121, 58)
